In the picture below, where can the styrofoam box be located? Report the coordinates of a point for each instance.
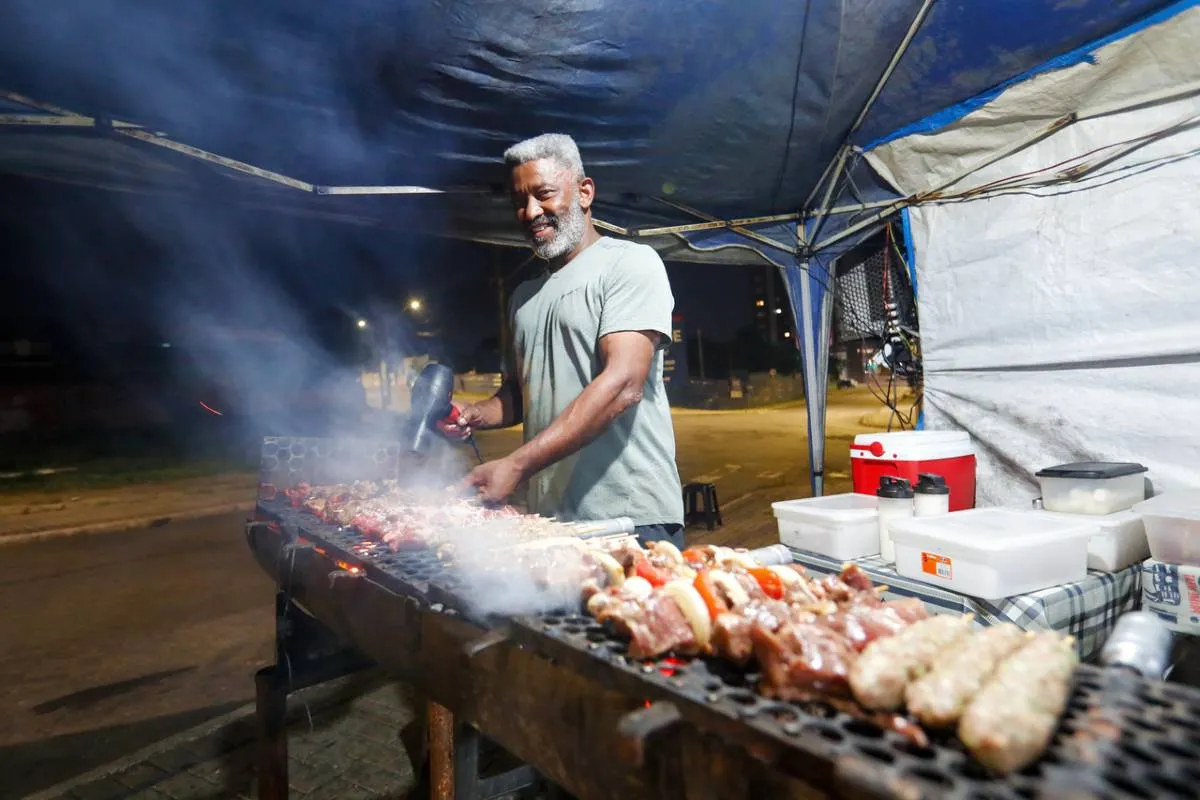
(1119, 541)
(1172, 592)
(841, 526)
(992, 553)
(1096, 496)
(1172, 524)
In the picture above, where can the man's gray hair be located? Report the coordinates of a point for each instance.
(557, 146)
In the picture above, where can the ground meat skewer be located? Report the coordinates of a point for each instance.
(1011, 721)
(938, 698)
(880, 675)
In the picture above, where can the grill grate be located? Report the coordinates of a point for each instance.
(407, 572)
(1122, 737)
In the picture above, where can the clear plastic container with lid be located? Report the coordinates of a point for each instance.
(1092, 487)
(841, 526)
(1172, 521)
(992, 553)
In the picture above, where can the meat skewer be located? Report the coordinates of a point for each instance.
(886, 667)
(938, 698)
(1009, 724)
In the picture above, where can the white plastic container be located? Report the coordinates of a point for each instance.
(1173, 526)
(931, 496)
(1092, 487)
(1119, 540)
(895, 497)
(992, 553)
(841, 526)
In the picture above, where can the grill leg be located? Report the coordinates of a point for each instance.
(441, 752)
(270, 714)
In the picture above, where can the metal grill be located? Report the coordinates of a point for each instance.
(1122, 737)
(859, 299)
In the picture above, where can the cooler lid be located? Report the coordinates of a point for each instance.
(912, 445)
(1092, 470)
(988, 529)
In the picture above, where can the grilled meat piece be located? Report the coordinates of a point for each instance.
(654, 623)
(869, 619)
(938, 698)
(888, 665)
(733, 632)
(856, 578)
(803, 658)
(1012, 719)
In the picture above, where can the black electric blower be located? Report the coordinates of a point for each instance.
(431, 395)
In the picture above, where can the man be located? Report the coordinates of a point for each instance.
(585, 372)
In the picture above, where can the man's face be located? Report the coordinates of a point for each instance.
(551, 206)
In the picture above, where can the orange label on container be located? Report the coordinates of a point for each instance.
(933, 564)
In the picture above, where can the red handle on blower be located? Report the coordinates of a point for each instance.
(447, 424)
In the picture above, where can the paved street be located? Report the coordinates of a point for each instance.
(112, 641)
(115, 641)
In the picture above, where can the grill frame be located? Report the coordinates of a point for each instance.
(1122, 736)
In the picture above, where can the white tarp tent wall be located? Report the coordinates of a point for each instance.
(1056, 229)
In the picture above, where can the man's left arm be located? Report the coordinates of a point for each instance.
(635, 322)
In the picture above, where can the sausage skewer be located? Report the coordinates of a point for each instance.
(1009, 724)
(884, 670)
(938, 698)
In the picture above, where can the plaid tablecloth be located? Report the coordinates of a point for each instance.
(1087, 610)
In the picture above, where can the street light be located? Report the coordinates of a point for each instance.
(362, 323)
(414, 304)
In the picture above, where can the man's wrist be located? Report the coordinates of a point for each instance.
(524, 460)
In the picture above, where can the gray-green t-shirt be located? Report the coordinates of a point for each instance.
(557, 321)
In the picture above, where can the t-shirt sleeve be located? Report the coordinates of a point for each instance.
(637, 295)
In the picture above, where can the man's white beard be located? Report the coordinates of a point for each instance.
(569, 229)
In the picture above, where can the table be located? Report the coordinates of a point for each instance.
(1087, 609)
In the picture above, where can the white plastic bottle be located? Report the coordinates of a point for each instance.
(931, 496)
(895, 502)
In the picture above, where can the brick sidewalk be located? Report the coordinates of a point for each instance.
(350, 749)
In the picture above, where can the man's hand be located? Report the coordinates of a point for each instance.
(496, 480)
(470, 419)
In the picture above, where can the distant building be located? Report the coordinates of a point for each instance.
(771, 315)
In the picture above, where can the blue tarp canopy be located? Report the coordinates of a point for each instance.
(685, 112)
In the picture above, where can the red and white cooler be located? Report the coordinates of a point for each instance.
(908, 454)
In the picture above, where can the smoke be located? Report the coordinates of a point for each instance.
(232, 293)
(501, 572)
(304, 88)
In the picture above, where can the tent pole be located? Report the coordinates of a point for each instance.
(362, 190)
(56, 121)
(749, 234)
(717, 224)
(932, 194)
(835, 166)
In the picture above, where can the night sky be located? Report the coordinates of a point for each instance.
(98, 266)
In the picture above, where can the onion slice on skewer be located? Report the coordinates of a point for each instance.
(694, 610)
